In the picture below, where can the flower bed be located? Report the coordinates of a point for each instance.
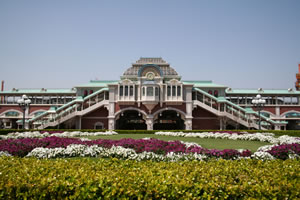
(262, 137)
(51, 147)
(142, 149)
(43, 134)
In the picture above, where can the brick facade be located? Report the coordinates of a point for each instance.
(89, 120)
(203, 119)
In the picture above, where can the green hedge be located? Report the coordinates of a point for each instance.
(29, 178)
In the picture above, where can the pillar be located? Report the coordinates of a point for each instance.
(111, 108)
(221, 123)
(188, 124)
(189, 107)
(149, 122)
(78, 124)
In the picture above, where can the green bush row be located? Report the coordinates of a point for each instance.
(82, 178)
(295, 133)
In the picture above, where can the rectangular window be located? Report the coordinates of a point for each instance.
(150, 91)
(178, 90)
(156, 91)
(174, 91)
(131, 91)
(169, 91)
(126, 90)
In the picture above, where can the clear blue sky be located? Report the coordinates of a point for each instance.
(63, 43)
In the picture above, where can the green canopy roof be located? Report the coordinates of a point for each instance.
(262, 91)
(204, 84)
(39, 91)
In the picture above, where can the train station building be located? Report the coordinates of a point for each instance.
(151, 95)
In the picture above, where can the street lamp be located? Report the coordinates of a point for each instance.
(24, 103)
(259, 103)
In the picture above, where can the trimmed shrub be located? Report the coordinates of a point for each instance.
(29, 178)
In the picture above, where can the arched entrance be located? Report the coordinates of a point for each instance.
(169, 120)
(130, 120)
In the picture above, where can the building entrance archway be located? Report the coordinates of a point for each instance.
(169, 120)
(131, 120)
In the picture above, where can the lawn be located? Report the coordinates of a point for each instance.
(206, 143)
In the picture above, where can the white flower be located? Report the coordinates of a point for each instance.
(4, 153)
(37, 134)
(262, 156)
(263, 137)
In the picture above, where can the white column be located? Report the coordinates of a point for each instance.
(111, 108)
(123, 96)
(139, 95)
(166, 92)
(221, 123)
(79, 123)
(133, 92)
(189, 108)
(149, 122)
(181, 97)
(188, 124)
(118, 92)
(176, 92)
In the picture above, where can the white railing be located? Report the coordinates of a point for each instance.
(78, 107)
(224, 108)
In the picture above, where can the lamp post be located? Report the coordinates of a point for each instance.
(24, 103)
(259, 103)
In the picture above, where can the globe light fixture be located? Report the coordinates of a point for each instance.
(24, 104)
(259, 103)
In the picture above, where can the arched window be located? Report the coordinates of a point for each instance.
(126, 90)
(178, 90)
(85, 93)
(292, 115)
(216, 93)
(173, 91)
(12, 114)
(98, 125)
(121, 90)
(150, 91)
(169, 90)
(131, 91)
(265, 114)
(156, 91)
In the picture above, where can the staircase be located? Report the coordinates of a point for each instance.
(224, 108)
(78, 107)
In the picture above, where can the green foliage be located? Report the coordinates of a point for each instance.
(295, 133)
(29, 178)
